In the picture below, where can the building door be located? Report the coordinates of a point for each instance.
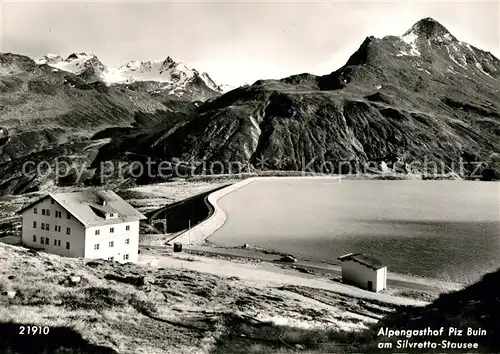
(370, 285)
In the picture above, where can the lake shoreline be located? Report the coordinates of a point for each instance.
(202, 233)
(399, 285)
(315, 265)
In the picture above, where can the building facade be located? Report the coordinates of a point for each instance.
(89, 224)
(363, 271)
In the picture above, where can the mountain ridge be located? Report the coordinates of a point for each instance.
(49, 115)
(168, 74)
(429, 27)
(410, 96)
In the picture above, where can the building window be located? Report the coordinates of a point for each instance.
(34, 224)
(59, 243)
(127, 241)
(43, 211)
(125, 256)
(68, 231)
(68, 215)
(43, 226)
(111, 243)
(52, 201)
(47, 241)
(96, 246)
(127, 228)
(48, 212)
(57, 228)
(97, 232)
(58, 214)
(55, 242)
(67, 245)
(47, 227)
(111, 230)
(34, 238)
(35, 210)
(42, 240)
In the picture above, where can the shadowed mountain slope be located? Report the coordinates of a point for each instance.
(47, 114)
(422, 96)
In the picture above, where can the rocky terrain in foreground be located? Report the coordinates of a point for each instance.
(105, 307)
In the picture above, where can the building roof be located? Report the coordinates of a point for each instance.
(366, 260)
(91, 206)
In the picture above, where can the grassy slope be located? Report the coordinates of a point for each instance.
(131, 308)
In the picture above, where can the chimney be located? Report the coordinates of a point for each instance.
(101, 198)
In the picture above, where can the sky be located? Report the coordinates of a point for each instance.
(235, 42)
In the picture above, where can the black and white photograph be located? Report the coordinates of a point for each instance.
(261, 177)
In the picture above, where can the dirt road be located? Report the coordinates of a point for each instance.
(263, 273)
(394, 280)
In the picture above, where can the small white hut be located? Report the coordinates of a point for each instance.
(364, 271)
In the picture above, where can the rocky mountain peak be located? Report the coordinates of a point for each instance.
(167, 64)
(82, 55)
(429, 28)
(361, 56)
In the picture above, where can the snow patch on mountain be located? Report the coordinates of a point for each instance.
(477, 62)
(411, 40)
(448, 37)
(424, 70)
(480, 67)
(457, 56)
(110, 76)
(468, 46)
(445, 38)
(256, 131)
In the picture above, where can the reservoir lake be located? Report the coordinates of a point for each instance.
(437, 229)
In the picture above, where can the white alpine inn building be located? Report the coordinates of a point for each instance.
(90, 224)
(364, 271)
